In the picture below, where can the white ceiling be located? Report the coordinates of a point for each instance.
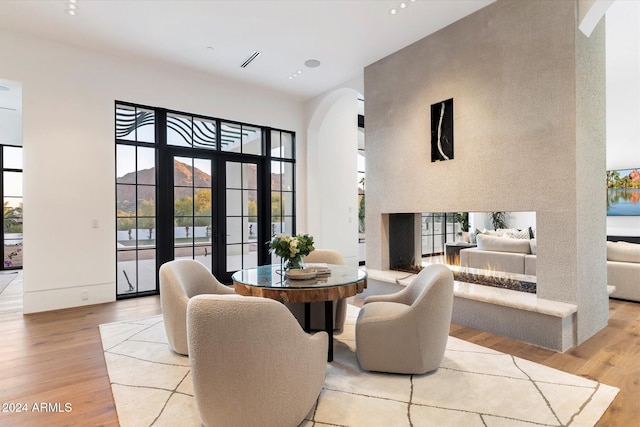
(217, 36)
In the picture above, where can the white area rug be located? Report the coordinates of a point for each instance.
(474, 386)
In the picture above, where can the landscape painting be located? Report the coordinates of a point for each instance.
(623, 192)
(442, 131)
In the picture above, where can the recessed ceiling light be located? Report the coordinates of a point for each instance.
(71, 7)
(312, 63)
(250, 59)
(295, 74)
(402, 5)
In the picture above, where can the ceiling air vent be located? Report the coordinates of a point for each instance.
(251, 57)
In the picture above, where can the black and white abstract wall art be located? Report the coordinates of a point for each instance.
(442, 131)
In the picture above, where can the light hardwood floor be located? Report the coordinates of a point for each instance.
(56, 357)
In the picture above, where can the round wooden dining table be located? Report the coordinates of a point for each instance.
(271, 281)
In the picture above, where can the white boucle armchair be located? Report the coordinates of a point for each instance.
(181, 280)
(251, 362)
(407, 332)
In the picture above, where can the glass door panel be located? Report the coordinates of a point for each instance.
(282, 200)
(241, 235)
(193, 209)
(135, 220)
(198, 220)
(147, 270)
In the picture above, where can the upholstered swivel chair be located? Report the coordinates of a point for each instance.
(327, 256)
(251, 362)
(180, 280)
(407, 332)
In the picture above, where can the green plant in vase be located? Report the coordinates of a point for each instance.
(291, 249)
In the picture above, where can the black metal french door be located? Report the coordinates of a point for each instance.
(216, 212)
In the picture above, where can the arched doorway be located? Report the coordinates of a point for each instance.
(332, 173)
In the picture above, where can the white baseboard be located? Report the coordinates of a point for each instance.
(76, 296)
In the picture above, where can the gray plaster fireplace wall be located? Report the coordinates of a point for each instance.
(529, 118)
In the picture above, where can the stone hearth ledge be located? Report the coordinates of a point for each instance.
(514, 299)
(489, 294)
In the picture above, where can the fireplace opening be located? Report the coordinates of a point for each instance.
(407, 237)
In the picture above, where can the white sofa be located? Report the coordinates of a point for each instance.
(501, 254)
(623, 269)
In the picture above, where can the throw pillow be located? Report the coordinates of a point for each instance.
(521, 234)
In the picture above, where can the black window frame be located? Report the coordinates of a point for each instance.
(164, 154)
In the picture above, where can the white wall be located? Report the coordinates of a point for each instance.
(332, 175)
(623, 99)
(69, 154)
(331, 179)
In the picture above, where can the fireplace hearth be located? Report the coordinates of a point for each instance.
(495, 279)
